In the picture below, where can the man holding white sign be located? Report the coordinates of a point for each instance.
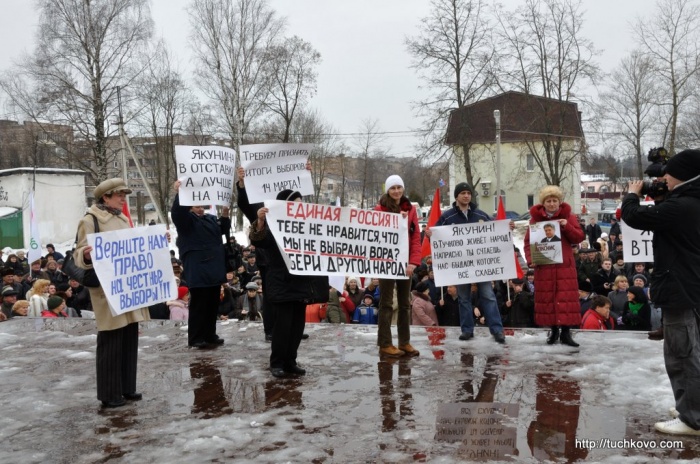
(463, 211)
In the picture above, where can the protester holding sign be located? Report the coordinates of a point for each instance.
(202, 252)
(463, 211)
(286, 295)
(556, 299)
(394, 201)
(117, 336)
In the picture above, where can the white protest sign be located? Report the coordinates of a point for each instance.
(545, 243)
(474, 252)
(271, 168)
(637, 244)
(206, 174)
(332, 240)
(134, 267)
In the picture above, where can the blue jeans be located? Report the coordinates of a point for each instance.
(487, 306)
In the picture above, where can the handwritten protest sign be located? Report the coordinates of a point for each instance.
(332, 240)
(545, 243)
(470, 253)
(134, 267)
(206, 173)
(271, 168)
(637, 244)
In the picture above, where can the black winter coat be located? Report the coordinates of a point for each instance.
(200, 244)
(675, 222)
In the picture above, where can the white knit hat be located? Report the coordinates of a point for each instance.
(392, 181)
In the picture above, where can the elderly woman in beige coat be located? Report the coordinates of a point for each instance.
(117, 336)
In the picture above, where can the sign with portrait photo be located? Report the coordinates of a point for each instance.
(545, 243)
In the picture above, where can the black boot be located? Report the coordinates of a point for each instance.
(566, 337)
(553, 335)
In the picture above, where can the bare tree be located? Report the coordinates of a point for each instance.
(291, 74)
(85, 50)
(164, 100)
(231, 41)
(452, 55)
(545, 54)
(671, 38)
(629, 106)
(370, 144)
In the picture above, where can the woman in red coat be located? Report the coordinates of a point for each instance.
(394, 201)
(556, 298)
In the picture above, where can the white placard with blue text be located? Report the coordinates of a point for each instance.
(271, 168)
(341, 241)
(470, 253)
(134, 267)
(206, 174)
(637, 244)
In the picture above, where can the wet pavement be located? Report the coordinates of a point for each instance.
(458, 402)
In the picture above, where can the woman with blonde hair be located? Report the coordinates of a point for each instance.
(618, 296)
(557, 298)
(38, 297)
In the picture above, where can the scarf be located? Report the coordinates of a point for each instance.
(635, 307)
(114, 211)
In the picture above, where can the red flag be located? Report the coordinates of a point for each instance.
(501, 214)
(125, 212)
(435, 213)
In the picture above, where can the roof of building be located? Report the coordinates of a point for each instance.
(523, 117)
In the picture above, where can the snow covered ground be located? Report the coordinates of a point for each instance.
(223, 406)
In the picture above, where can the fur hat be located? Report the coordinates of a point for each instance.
(54, 302)
(8, 291)
(111, 186)
(392, 181)
(251, 286)
(684, 165)
(288, 195)
(8, 271)
(551, 191)
(181, 292)
(461, 187)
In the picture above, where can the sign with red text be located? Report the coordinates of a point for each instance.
(274, 167)
(637, 244)
(333, 240)
(474, 252)
(134, 267)
(206, 174)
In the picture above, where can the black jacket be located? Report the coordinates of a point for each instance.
(676, 226)
(200, 245)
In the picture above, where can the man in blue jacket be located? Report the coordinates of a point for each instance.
(463, 211)
(675, 221)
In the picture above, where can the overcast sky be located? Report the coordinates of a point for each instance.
(365, 67)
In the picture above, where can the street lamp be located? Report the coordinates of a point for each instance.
(497, 117)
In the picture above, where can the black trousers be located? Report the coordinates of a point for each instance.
(290, 318)
(117, 353)
(204, 304)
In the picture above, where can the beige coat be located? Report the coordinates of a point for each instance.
(106, 222)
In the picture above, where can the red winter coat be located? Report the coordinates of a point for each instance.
(594, 321)
(556, 297)
(413, 227)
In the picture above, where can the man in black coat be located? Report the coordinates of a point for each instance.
(593, 232)
(675, 221)
(202, 252)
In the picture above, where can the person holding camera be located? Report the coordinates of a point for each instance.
(675, 221)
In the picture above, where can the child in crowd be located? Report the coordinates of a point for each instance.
(179, 309)
(366, 312)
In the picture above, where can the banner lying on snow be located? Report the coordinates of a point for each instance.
(134, 267)
(332, 240)
(474, 252)
(271, 168)
(206, 174)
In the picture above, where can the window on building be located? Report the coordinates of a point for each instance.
(530, 162)
(530, 201)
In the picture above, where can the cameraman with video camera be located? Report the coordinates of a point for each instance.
(675, 221)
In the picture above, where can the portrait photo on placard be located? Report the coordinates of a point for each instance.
(545, 242)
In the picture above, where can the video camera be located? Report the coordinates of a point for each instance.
(658, 157)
